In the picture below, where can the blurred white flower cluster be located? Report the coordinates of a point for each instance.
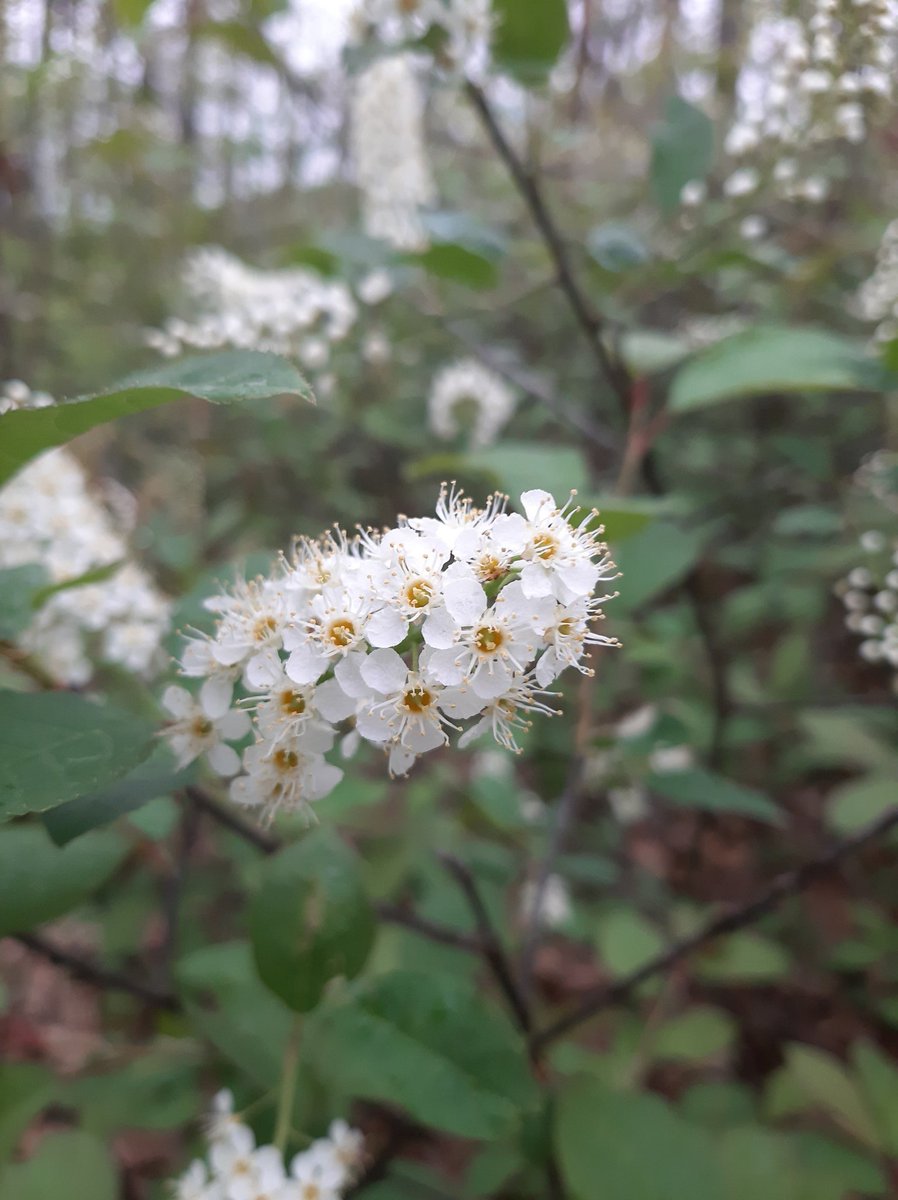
(14, 394)
(458, 621)
(237, 1169)
(463, 29)
(812, 79)
(291, 311)
(877, 298)
(467, 394)
(49, 516)
(392, 169)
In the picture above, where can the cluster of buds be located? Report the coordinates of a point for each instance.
(468, 394)
(455, 623)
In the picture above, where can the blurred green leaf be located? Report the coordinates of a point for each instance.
(840, 737)
(19, 587)
(130, 13)
(682, 149)
(310, 921)
(448, 260)
(698, 788)
(224, 378)
(773, 359)
(625, 940)
(158, 1090)
(519, 466)
(529, 37)
(878, 1079)
(648, 350)
(854, 804)
(812, 1079)
(62, 1162)
(25, 1088)
(57, 747)
(653, 561)
(616, 247)
(430, 1044)
(40, 881)
(743, 957)
(700, 1032)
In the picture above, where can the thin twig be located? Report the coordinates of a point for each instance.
(173, 887)
(789, 884)
(96, 975)
(490, 945)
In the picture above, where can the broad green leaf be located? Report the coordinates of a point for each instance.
(697, 788)
(768, 359)
(682, 148)
(757, 1164)
(519, 466)
(622, 517)
(743, 957)
(616, 247)
(157, 776)
(718, 1105)
(19, 588)
(429, 1043)
(854, 804)
(57, 747)
(625, 940)
(310, 921)
(448, 260)
(231, 1008)
(831, 1170)
(631, 1146)
(25, 1088)
(813, 1079)
(648, 350)
(878, 1079)
(40, 881)
(223, 378)
(529, 36)
(654, 560)
(158, 1090)
(841, 737)
(698, 1033)
(64, 1164)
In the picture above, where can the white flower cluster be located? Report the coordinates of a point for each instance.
(389, 152)
(869, 593)
(237, 1169)
(810, 80)
(292, 311)
(877, 298)
(400, 636)
(14, 394)
(468, 394)
(465, 29)
(48, 516)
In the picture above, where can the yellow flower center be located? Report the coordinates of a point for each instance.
(488, 639)
(545, 546)
(418, 593)
(285, 760)
(341, 633)
(263, 628)
(417, 699)
(201, 727)
(292, 703)
(566, 627)
(489, 567)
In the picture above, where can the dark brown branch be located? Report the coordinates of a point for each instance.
(97, 976)
(490, 946)
(269, 843)
(789, 884)
(614, 372)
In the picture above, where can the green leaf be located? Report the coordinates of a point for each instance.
(843, 736)
(765, 359)
(56, 747)
(743, 958)
(19, 586)
(648, 350)
(616, 247)
(697, 788)
(156, 1091)
(878, 1079)
(854, 804)
(529, 36)
(831, 1170)
(757, 1165)
(625, 940)
(63, 1163)
(157, 776)
(25, 1088)
(95, 575)
(653, 561)
(718, 1105)
(310, 921)
(519, 466)
(232, 1009)
(225, 378)
(625, 1146)
(130, 13)
(623, 517)
(448, 260)
(429, 1043)
(698, 1033)
(813, 1079)
(682, 148)
(462, 229)
(40, 881)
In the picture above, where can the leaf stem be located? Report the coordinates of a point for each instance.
(288, 1087)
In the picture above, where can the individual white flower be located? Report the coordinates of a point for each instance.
(195, 1184)
(318, 1173)
(251, 630)
(506, 717)
(693, 193)
(374, 287)
(193, 732)
(334, 626)
(468, 388)
(741, 182)
(559, 559)
(291, 777)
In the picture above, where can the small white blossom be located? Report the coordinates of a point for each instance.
(468, 391)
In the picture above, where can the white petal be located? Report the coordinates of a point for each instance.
(324, 777)
(401, 760)
(233, 725)
(491, 683)
(424, 737)
(580, 577)
(178, 701)
(476, 731)
(224, 759)
(443, 666)
(463, 595)
(439, 629)
(459, 703)
(547, 669)
(385, 671)
(332, 702)
(534, 500)
(375, 727)
(305, 665)
(349, 677)
(386, 628)
(535, 580)
(215, 696)
(263, 670)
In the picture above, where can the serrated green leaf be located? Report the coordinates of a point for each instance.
(40, 881)
(701, 789)
(682, 149)
(310, 921)
(57, 747)
(772, 359)
(224, 378)
(429, 1043)
(529, 36)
